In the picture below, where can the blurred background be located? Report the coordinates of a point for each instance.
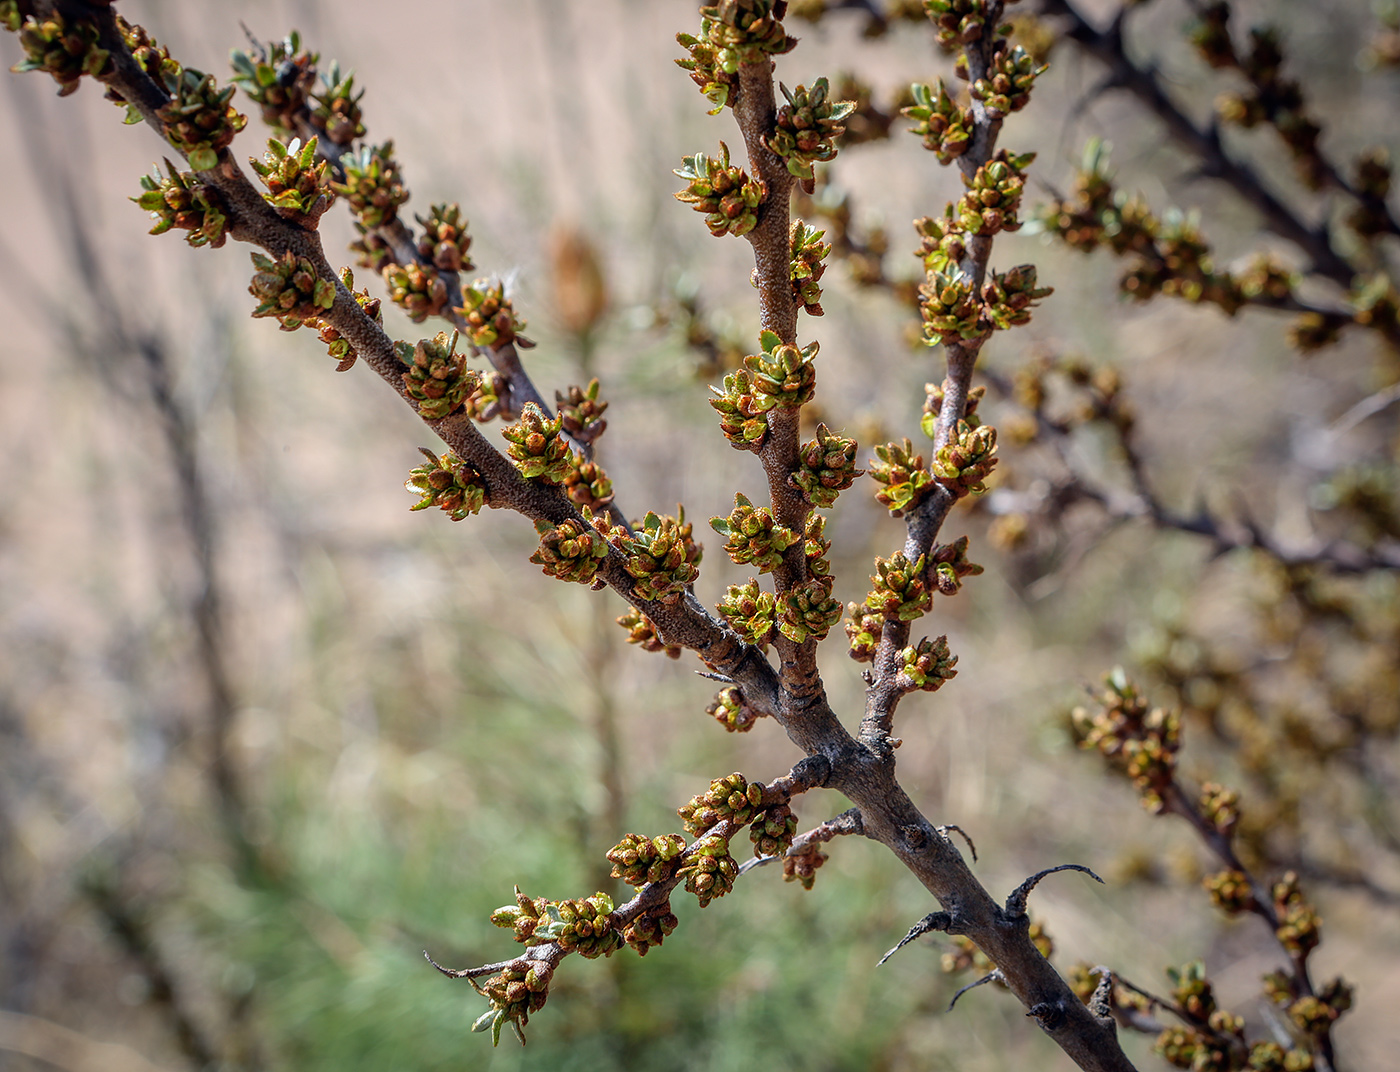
(266, 735)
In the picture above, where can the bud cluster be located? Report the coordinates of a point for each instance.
(448, 483)
(945, 127)
(1142, 742)
(904, 478)
(750, 611)
(437, 377)
(949, 565)
(752, 536)
(782, 372)
(732, 32)
(574, 549)
(927, 665)
(66, 51)
(337, 107)
(587, 484)
(490, 317)
(419, 290)
(807, 127)
(962, 464)
(638, 860)
(444, 241)
(709, 870)
(278, 80)
(808, 253)
(732, 797)
(743, 412)
(582, 412)
(807, 611)
(772, 830)
(661, 555)
(828, 467)
(514, 994)
(650, 928)
(802, 866)
(537, 446)
(578, 926)
(289, 289)
(198, 119)
(336, 345)
(298, 187)
(724, 193)
(641, 631)
(731, 711)
(182, 202)
(1007, 86)
(373, 185)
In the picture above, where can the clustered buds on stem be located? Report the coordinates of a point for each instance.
(514, 994)
(927, 665)
(290, 290)
(66, 51)
(298, 187)
(709, 870)
(732, 32)
(807, 127)
(650, 928)
(638, 860)
(828, 467)
(782, 372)
(537, 446)
(198, 119)
(731, 710)
(437, 377)
(490, 317)
(753, 537)
(444, 241)
(661, 555)
(182, 202)
(373, 185)
(587, 484)
(724, 192)
(904, 478)
(337, 110)
(743, 411)
(416, 289)
(448, 483)
(750, 612)
(808, 253)
(807, 611)
(949, 565)
(945, 127)
(641, 631)
(578, 926)
(573, 549)
(1143, 742)
(279, 80)
(336, 345)
(582, 411)
(732, 798)
(900, 591)
(1007, 87)
(965, 461)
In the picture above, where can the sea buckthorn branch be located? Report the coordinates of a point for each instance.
(732, 62)
(1104, 402)
(655, 866)
(250, 218)
(1279, 101)
(1169, 255)
(1146, 84)
(956, 307)
(1144, 742)
(835, 759)
(422, 271)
